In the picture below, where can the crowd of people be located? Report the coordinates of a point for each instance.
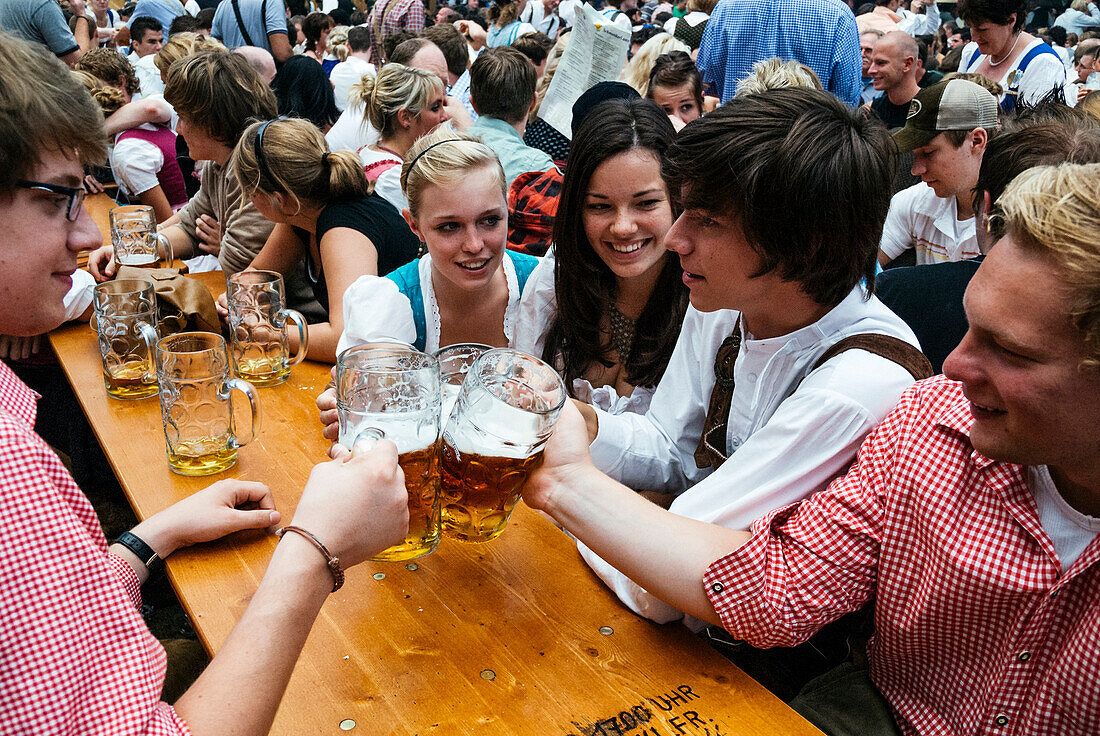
(822, 281)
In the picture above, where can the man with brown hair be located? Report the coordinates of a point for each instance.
(754, 410)
(216, 95)
(971, 517)
(78, 657)
(502, 91)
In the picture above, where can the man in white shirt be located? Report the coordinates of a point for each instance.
(348, 72)
(146, 39)
(947, 130)
(776, 260)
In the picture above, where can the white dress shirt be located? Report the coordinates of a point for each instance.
(790, 432)
(345, 75)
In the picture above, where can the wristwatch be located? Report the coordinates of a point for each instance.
(143, 551)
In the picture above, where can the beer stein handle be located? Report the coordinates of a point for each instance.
(366, 440)
(247, 389)
(303, 334)
(149, 334)
(163, 241)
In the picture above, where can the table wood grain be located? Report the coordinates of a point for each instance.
(515, 636)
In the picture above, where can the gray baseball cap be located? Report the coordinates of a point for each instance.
(956, 104)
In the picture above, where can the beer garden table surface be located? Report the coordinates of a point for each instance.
(511, 636)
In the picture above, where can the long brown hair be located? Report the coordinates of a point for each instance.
(584, 285)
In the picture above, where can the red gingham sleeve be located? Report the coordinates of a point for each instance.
(127, 578)
(810, 563)
(414, 21)
(77, 656)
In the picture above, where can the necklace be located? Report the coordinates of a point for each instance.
(380, 147)
(622, 333)
(1006, 56)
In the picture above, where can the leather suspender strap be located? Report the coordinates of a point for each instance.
(893, 349)
(711, 450)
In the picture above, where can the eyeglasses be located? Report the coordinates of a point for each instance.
(75, 195)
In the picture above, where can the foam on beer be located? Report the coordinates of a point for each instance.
(493, 428)
(410, 431)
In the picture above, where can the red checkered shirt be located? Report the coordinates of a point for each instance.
(977, 631)
(77, 657)
(397, 15)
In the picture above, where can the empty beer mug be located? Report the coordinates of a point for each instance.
(258, 340)
(504, 415)
(195, 403)
(125, 321)
(135, 237)
(392, 391)
(454, 363)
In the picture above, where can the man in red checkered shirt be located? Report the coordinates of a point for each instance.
(77, 657)
(970, 516)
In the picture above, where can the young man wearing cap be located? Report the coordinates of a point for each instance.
(947, 129)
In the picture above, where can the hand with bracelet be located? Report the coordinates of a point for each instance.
(353, 508)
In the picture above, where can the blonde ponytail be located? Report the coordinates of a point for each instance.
(296, 162)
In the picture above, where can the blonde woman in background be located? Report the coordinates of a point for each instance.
(639, 68)
(324, 213)
(775, 73)
(403, 104)
(179, 46)
(467, 288)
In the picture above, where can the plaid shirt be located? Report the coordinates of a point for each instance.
(819, 33)
(77, 657)
(396, 15)
(978, 631)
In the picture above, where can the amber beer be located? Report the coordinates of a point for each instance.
(130, 380)
(503, 416)
(421, 469)
(392, 391)
(480, 492)
(202, 456)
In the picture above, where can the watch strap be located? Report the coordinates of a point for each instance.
(143, 551)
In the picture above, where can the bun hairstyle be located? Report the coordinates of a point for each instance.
(110, 66)
(396, 87)
(109, 98)
(676, 69)
(444, 157)
(290, 155)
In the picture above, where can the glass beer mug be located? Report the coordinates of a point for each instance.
(392, 391)
(504, 415)
(135, 238)
(454, 363)
(258, 341)
(195, 389)
(125, 322)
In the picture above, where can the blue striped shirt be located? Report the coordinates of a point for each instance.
(821, 34)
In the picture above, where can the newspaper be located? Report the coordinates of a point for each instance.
(596, 53)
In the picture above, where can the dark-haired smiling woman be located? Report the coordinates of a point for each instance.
(605, 309)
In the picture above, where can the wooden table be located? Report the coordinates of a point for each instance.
(515, 636)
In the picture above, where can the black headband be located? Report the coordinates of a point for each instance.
(260, 160)
(437, 143)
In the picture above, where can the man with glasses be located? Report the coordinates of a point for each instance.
(78, 657)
